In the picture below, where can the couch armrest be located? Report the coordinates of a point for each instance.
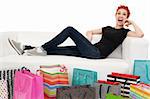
(134, 48)
(5, 48)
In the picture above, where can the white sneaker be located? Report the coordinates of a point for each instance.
(35, 52)
(16, 46)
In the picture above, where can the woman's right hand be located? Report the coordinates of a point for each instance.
(89, 35)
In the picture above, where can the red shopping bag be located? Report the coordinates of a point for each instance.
(108, 82)
(125, 80)
(28, 86)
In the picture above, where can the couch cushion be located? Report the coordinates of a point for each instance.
(102, 66)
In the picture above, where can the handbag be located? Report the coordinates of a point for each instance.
(28, 86)
(142, 69)
(54, 77)
(83, 77)
(104, 87)
(76, 92)
(125, 80)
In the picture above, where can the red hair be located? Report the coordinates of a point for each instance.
(125, 8)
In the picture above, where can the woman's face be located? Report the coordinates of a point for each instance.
(121, 17)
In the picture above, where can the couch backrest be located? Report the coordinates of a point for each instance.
(5, 48)
(39, 38)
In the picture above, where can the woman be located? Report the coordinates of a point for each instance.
(112, 37)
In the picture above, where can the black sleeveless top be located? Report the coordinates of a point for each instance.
(111, 39)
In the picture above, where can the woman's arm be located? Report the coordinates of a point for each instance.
(137, 33)
(90, 33)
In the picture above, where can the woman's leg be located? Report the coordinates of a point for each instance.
(67, 50)
(85, 48)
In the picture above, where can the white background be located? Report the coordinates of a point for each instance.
(54, 15)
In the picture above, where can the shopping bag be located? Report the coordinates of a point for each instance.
(83, 77)
(134, 95)
(141, 89)
(28, 86)
(142, 69)
(3, 86)
(76, 92)
(7, 82)
(54, 77)
(3, 89)
(125, 80)
(113, 96)
(10, 82)
(104, 87)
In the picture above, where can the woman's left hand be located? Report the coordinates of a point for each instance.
(128, 22)
(137, 33)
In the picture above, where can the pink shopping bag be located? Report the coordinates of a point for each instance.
(28, 86)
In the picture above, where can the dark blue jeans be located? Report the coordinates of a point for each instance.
(83, 47)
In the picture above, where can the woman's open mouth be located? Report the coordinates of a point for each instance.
(120, 20)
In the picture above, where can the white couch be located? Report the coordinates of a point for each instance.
(121, 60)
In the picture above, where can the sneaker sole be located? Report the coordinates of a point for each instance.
(14, 47)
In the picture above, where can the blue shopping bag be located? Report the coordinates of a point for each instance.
(83, 77)
(142, 69)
